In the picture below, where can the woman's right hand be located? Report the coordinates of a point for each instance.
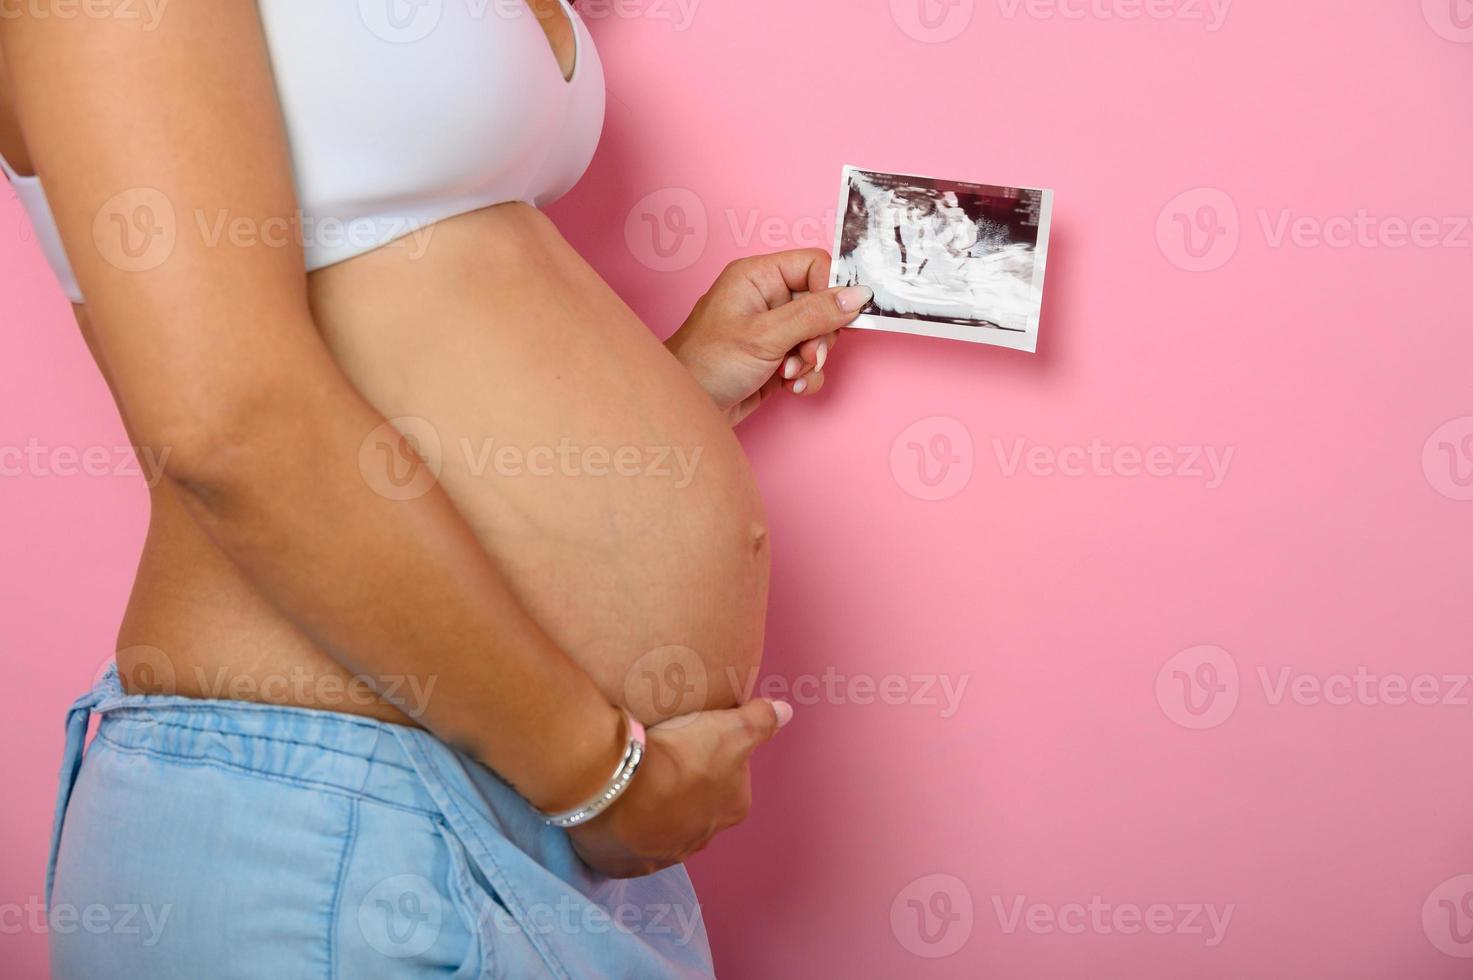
(693, 784)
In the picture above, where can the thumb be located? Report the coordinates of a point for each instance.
(812, 315)
(759, 719)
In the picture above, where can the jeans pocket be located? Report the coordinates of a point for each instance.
(398, 912)
(505, 950)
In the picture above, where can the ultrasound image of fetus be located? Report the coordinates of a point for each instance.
(941, 250)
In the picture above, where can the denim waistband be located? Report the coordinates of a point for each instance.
(329, 750)
(495, 837)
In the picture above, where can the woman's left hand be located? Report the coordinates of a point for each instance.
(768, 322)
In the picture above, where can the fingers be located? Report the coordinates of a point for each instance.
(812, 316)
(815, 353)
(802, 370)
(758, 720)
(741, 803)
(811, 355)
(779, 275)
(807, 384)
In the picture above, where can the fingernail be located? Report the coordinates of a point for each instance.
(784, 712)
(799, 386)
(792, 366)
(823, 355)
(854, 298)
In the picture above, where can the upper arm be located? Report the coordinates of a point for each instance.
(12, 148)
(159, 143)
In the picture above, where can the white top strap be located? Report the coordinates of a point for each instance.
(33, 199)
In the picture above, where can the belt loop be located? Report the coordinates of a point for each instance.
(71, 762)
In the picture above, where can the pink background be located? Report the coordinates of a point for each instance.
(1333, 544)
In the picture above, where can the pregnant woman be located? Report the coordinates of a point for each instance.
(380, 699)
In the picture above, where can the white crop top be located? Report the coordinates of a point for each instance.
(401, 115)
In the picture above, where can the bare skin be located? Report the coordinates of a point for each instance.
(522, 595)
(613, 566)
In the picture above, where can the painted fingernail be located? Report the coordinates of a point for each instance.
(823, 355)
(854, 298)
(792, 366)
(784, 712)
(799, 386)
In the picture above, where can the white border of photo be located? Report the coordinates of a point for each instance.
(1023, 340)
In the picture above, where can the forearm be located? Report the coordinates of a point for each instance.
(216, 361)
(398, 588)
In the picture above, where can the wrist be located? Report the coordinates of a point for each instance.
(678, 346)
(586, 754)
(697, 358)
(612, 790)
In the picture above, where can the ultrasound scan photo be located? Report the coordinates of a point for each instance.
(945, 258)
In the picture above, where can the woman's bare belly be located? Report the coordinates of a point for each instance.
(588, 462)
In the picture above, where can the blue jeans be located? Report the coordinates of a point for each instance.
(213, 839)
